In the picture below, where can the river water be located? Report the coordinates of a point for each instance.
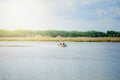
(47, 61)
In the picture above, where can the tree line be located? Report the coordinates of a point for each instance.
(56, 33)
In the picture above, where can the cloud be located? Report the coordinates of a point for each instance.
(111, 12)
(70, 5)
(86, 2)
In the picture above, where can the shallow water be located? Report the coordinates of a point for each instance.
(47, 61)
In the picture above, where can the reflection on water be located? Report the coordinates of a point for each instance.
(47, 61)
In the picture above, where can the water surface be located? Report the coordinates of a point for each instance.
(47, 61)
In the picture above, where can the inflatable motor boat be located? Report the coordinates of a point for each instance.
(62, 44)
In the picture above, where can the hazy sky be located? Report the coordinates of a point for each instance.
(79, 15)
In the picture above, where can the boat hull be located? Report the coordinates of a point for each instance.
(62, 45)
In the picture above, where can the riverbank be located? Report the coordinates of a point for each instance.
(57, 39)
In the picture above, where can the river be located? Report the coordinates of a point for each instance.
(47, 61)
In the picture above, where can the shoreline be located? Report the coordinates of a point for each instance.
(66, 39)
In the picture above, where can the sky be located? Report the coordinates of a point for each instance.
(80, 15)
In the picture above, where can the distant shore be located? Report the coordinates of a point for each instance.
(58, 39)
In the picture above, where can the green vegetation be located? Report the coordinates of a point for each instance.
(52, 35)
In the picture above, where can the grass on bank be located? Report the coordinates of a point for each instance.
(57, 39)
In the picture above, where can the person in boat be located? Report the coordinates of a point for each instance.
(61, 44)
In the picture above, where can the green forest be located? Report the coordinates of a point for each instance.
(56, 33)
